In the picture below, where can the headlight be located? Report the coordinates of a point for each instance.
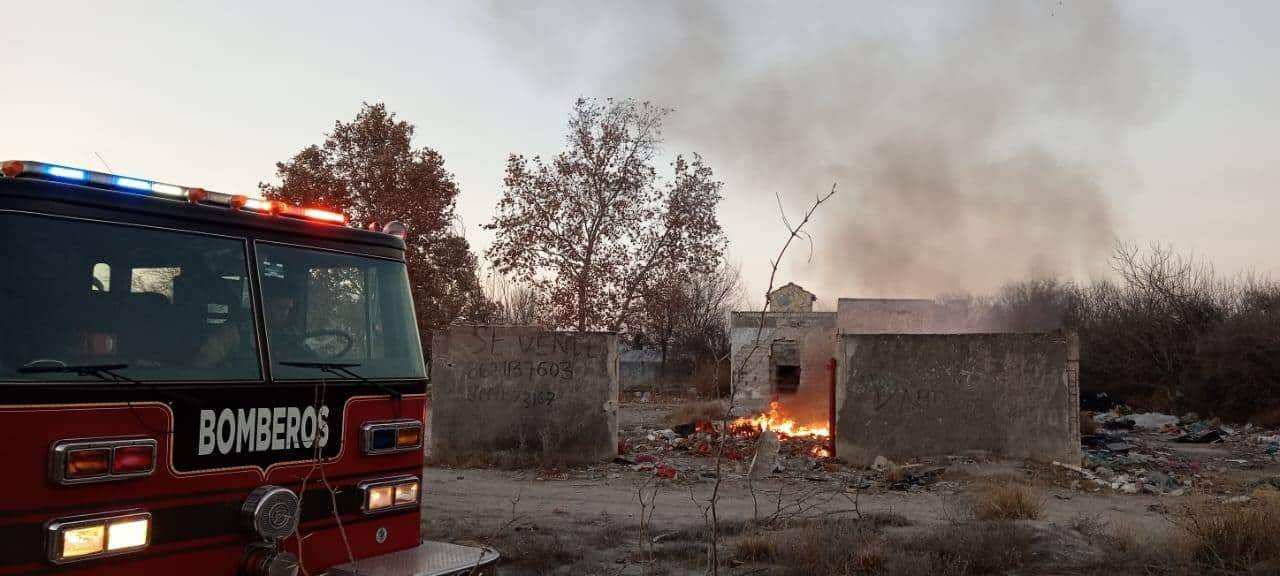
(97, 535)
(83, 541)
(387, 494)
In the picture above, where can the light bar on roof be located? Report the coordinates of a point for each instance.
(325, 215)
(64, 172)
(20, 168)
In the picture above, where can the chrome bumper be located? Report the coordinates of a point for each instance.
(428, 559)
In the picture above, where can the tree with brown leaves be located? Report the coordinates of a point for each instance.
(369, 169)
(595, 226)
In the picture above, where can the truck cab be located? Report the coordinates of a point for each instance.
(205, 383)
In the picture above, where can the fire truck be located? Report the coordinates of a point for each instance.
(194, 382)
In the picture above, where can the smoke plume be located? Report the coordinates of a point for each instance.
(971, 141)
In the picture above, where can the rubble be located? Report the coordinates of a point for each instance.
(1134, 453)
(1151, 453)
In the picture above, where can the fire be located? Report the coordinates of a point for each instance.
(819, 452)
(779, 422)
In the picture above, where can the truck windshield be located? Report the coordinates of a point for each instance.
(164, 305)
(322, 306)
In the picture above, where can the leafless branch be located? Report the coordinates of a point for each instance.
(711, 513)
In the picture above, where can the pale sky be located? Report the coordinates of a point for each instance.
(213, 94)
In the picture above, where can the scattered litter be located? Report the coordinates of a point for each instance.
(915, 477)
(1204, 436)
(1161, 483)
(1153, 421)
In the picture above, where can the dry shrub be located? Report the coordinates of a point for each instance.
(961, 549)
(536, 552)
(886, 519)
(697, 411)
(847, 547)
(1231, 536)
(835, 547)
(755, 548)
(1008, 502)
(1087, 424)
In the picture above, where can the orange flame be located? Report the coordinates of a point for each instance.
(780, 423)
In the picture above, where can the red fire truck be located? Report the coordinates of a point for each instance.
(194, 382)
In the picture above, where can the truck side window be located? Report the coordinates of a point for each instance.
(323, 306)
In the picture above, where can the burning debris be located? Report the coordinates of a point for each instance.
(767, 443)
(775, 420)
(810, 441)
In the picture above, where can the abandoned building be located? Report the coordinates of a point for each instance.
(895, 356)
(795, 343)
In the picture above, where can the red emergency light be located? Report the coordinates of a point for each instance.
(239, 202)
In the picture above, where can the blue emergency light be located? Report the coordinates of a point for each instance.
(64, 172)
(18, 168)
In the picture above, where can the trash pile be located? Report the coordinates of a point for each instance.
(1133, 453)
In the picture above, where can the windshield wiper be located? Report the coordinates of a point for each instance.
(104, 372)
(343, 370)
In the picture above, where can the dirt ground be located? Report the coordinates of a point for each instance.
(591, 520)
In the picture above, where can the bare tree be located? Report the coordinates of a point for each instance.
(593, 227)
(512, 303)
(690, 312)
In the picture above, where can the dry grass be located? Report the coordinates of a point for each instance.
(848, 547)
(835, 546)
(755, 548)
(1231, 536)
(1008, 502)
(961, 549)
(696, 411)
(535, 552)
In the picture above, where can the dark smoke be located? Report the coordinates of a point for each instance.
(971, 140)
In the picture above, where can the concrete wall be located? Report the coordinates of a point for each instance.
(905, 396)
(524, 390)
(642, 370)
(815, 337)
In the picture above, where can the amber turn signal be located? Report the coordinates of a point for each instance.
(408, 437)
(87, 463)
